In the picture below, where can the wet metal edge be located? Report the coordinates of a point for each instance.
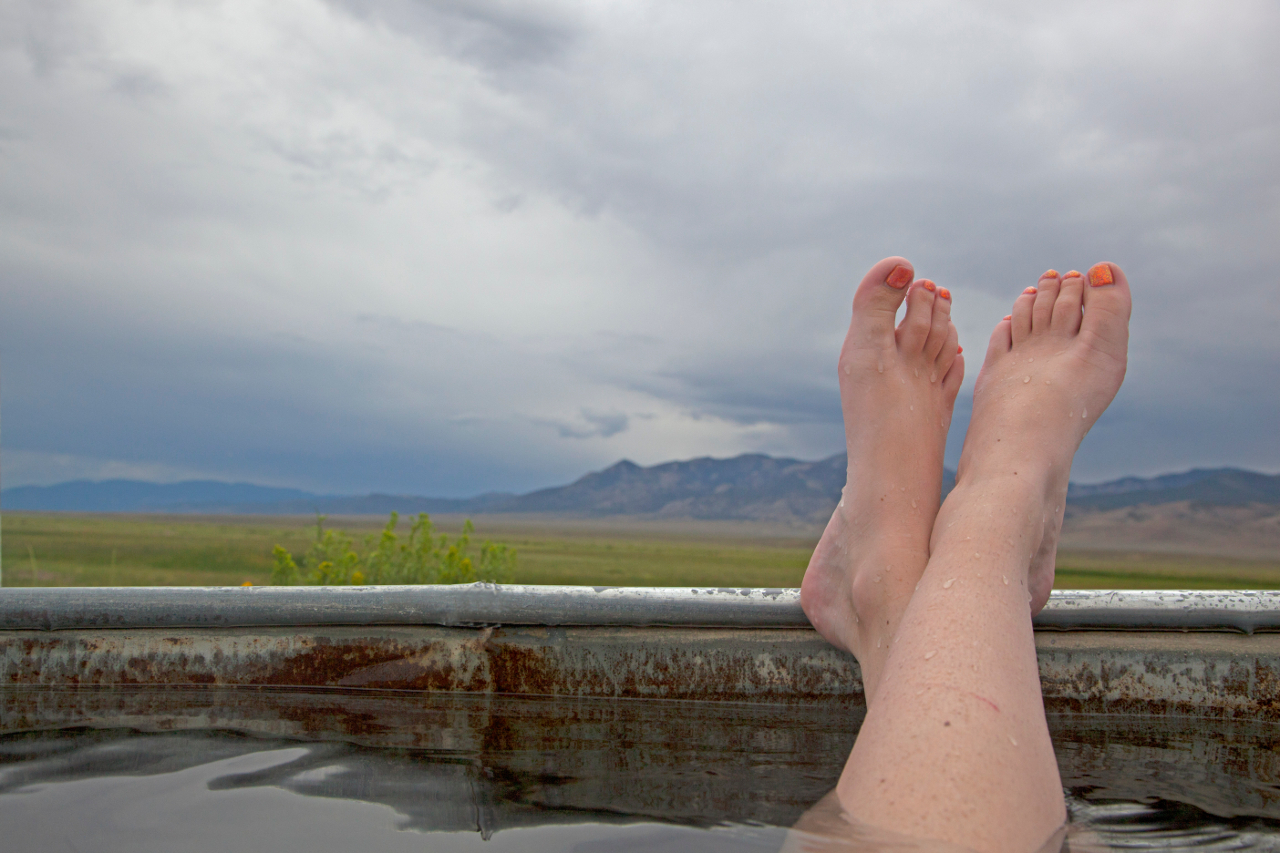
(1161, 653)
(480, 605)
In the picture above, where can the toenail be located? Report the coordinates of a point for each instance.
(1008, 316)
(900, 277)
(1030, 290)
(1100, 275)
(959, 350)
(928, 285)
(1072, 274)
(1050, 274)
(944, 293)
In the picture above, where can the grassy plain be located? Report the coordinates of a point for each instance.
(56, 549)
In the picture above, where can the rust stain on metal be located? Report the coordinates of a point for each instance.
(1201, 674)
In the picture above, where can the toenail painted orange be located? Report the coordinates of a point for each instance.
(928, 285)
(900, 277)
(1008, 316)
(1072, 274)
(959, 350)
(1100, 275)
(1031, 290)
(1049, 274)
(944, 293)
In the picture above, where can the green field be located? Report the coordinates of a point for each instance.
(132, 550)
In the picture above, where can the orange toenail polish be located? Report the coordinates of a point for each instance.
(1050, 274)
(959, 350)
(900, 277)
(1100, 275)
(928, 285)
(1030, 290)
(1008, 316)
(944, 293)
(1072, 274)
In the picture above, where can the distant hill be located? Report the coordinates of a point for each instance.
(1212, 486)
(751, 486)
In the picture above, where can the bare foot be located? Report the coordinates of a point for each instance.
(1051, 369)
(897, 389)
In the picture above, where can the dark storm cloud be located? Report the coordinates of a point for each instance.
(448, 246)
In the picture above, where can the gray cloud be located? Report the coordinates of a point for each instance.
(446, 247)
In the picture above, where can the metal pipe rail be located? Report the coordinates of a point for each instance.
(480, 605)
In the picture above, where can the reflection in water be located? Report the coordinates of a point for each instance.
(229, 770)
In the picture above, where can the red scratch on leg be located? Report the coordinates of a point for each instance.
(993, 705)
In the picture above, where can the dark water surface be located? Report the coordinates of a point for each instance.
(229, 770)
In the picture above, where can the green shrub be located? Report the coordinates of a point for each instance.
(423, 557)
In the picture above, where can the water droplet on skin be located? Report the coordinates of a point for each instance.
(1071, 414)
(917, 373)
(1012, 740)
(948, 584)
(877, 579)
(880, 366)
(933, 377)
(847, 369)
(842, 502)
(877, 642)
(1033, 358)
(1084, 413)
(920, 692)
(913, 503)
(1046, 382)
(976, 554)
(1025, 381)
(912, 408)
(928, 655)
(1005, 578)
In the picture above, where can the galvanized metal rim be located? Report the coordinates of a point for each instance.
(481, 604)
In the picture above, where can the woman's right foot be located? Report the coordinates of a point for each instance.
(1051, 369)
(898, 387)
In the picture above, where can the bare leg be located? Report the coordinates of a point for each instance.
(955, 745)
(897, 388)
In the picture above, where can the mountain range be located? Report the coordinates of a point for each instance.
(751, 486)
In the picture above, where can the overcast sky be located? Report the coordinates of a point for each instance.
(450, 246)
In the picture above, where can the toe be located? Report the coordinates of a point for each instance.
(875, 304)
(1046, 297)
(947, 354)
(941, 325)
(1066, 308)
(1001, 339)
(1022, 314)
(952, 380)
(1107, 304)
(913, 331)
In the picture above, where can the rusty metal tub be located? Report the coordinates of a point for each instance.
(1183, 654)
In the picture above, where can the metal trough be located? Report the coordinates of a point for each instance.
(1198, 654)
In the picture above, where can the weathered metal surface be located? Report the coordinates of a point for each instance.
(1246, 611)
(39, 609)
(1229, 676)
(1194, 674)
(769, 665)
(477, 604)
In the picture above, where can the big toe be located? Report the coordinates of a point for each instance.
(1107, 306)
(881, 292)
